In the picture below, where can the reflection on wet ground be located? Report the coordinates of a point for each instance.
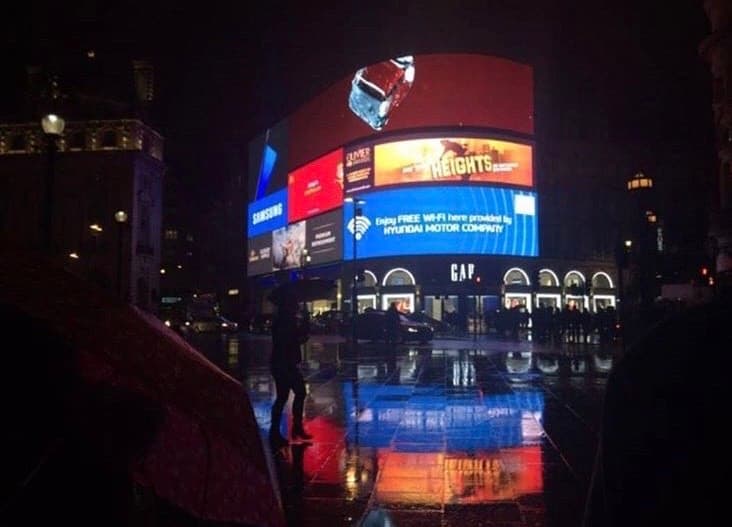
(454, 433)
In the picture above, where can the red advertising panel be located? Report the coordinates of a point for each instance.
(316, 187)
(443, 159)
(412, 92)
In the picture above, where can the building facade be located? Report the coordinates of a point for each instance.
(422, 177)
(716, 49)
(106, 195)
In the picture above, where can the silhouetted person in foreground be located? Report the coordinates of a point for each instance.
(288, 335)
(392, 324)
(662, 450)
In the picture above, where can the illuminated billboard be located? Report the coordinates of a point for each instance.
(444, 220)
(316, 187)
(268, 161)
(284, 248)
(438, 159)
(358, 173)
(267, 214)
(324, 237)
(415, 91)
(287, 246)
(466, 159)
(259, 255)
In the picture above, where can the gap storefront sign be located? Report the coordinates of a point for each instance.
(444, 220)
(267, 214)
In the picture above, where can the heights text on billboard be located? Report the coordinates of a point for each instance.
(438, 160)
(453, 159)
(444, 220)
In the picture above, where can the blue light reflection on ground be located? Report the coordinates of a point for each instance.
(441, 430)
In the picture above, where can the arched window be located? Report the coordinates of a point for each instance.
(369, 279)
(574, 279)
(399, 276)
(602, 280)
(516, 276)
(548, 278)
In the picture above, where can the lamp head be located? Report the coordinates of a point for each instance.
(120, 216)
(53, 124)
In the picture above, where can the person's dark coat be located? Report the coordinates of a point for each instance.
(662, 445)
(288, 335)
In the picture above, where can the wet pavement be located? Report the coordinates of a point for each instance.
(459, 432)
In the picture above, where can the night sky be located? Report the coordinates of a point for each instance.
(224, 72)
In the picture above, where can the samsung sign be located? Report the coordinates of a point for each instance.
(267, 214)
(444, 220)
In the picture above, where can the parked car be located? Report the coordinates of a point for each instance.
(211, 324)
(438, 326)
(261, 323)
(329, 322)
(371, 325)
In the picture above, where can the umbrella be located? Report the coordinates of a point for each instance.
(201, 449)
(304, 290)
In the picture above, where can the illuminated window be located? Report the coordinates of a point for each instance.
(516, 276)
(574, 279)
(171, 234)
(370, 279)
(399, 277)
(602, 280)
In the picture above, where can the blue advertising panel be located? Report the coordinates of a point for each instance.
(267, 214)
(443, 220)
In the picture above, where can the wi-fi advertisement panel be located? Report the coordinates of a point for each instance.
(444, 220)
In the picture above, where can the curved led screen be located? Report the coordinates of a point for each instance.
(443, 220)
(396, 94)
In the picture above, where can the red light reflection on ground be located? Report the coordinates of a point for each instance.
(407, 477)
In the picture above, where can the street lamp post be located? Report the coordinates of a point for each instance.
(53, 127)
(121, 218)
(622, 255)
(354, 279)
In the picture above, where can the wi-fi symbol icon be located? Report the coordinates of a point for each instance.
(358, 226)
